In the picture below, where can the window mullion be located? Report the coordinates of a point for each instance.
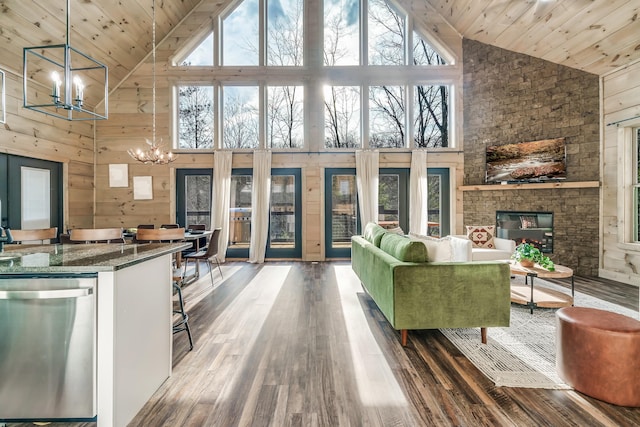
(364, 33)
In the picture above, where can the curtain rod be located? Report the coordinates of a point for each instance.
(623, 120)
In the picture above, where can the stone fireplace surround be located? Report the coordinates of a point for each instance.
(509, 97)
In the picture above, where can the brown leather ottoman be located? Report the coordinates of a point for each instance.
(598, 354)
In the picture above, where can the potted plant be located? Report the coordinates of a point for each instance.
(528, 255)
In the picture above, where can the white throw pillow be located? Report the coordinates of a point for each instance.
(438, 250)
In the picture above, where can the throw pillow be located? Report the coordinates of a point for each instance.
(481, 236)
(396, 230)
(438, 250)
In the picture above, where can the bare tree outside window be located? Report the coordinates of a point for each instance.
(431, 116)
(240, 117)
(285, 116)
(195, 117)
(386, 34)
(387, 116)
(431, 103)
(342, 117)
(285, 32)
(341, 32)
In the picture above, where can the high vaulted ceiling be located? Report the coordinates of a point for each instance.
(593, 35)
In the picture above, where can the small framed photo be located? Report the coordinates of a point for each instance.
(119, 175)
(142, 188)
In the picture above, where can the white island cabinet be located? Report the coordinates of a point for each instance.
(133, 321)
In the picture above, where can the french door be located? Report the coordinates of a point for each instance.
(30, 193)
(342, 219)
(285, 214)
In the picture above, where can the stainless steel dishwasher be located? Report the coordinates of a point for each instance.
(47, 347)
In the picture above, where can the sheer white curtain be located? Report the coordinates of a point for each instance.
(221, 198)
(367, 164)
(418, 193)
(260, 194)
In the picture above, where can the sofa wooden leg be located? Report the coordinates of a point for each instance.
(403, 337)
(483, 335)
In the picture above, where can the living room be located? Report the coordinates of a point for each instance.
(516, 72)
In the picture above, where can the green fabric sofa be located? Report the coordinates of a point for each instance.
(413, 293)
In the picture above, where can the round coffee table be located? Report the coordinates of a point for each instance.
(540, 297)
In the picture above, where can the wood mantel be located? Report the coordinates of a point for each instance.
(530, 186)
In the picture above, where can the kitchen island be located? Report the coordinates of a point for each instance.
(132, 319)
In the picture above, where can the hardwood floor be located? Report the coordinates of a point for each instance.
(302, 344)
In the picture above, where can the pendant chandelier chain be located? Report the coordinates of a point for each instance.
(153, 68)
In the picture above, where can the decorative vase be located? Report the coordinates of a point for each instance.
(526, 263)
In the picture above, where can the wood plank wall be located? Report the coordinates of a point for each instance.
(36, 135)
(130, 123)
(621, 101)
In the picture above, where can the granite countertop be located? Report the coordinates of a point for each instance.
(80, 258)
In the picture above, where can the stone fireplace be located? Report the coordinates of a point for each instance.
(509, 98)
(526, 227)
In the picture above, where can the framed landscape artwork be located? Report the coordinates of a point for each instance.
(535, 161)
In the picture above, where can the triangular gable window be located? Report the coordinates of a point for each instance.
(202, 55)
(424, 53)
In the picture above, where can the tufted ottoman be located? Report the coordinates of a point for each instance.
(598, 354)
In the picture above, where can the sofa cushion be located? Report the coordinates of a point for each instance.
(438, 250)
(403, 248)
(373, 233)
(483, 254)
(481, 236)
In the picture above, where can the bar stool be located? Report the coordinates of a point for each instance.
(182, 324)
(41, 234)
(96, 235)
(170, 235)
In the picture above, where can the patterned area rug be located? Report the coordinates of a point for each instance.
(523, 355)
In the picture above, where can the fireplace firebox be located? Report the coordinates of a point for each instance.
(530, 227)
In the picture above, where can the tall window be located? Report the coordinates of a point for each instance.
(195, 117)
(384, 82)
(285, 116)
(342, 116)
(240, 127)
(636, 186)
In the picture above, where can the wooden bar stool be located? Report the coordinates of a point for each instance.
(40, 234)
(97, 235)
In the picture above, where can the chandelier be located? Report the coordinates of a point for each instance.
(155, 154)
(55, 77)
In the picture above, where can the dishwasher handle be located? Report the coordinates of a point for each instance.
(47, 294)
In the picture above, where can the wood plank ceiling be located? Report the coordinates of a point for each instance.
(593, 35)
(596, 36)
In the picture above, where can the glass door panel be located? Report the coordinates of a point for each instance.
(393, 205)
(285, 223)
(438, 222)
(193, 197)
(240, 213)
(341, 211)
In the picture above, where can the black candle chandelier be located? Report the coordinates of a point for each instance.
(63, 82)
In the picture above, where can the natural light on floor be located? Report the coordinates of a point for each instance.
(377, 385)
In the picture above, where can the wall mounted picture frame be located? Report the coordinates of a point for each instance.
(142, 188)
(119, 175)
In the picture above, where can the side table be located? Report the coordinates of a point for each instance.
(540, 297)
